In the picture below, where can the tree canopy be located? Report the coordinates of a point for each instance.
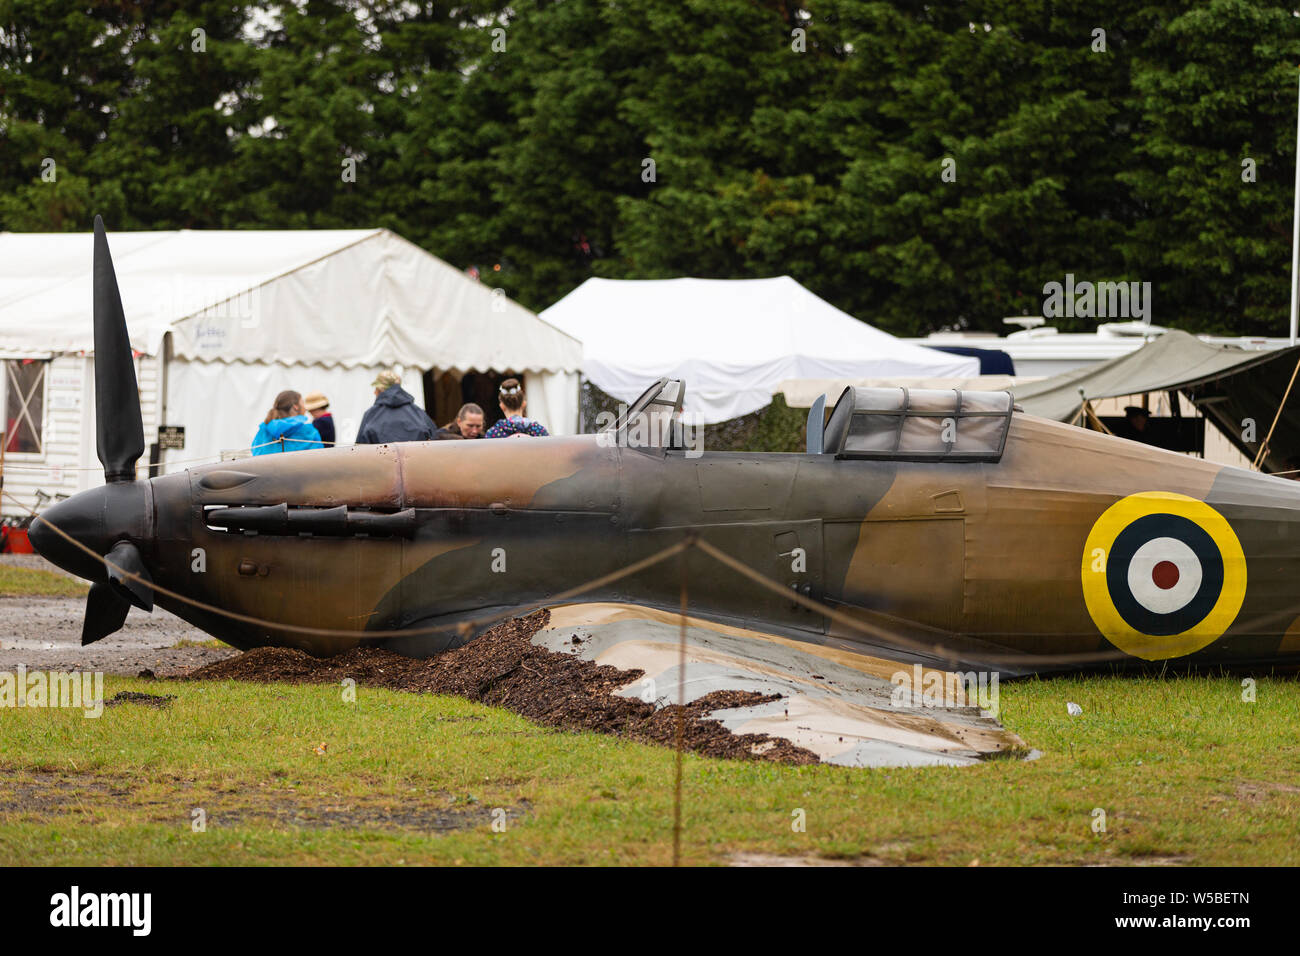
(922, 166)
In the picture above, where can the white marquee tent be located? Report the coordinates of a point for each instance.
(733, 340)
(223, 320)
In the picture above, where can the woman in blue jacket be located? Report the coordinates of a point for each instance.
(287, 427)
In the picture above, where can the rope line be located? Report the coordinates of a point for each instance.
(904, 643)
(689, 541)
(462, 626)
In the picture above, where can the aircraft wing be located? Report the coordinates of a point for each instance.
(848, 708)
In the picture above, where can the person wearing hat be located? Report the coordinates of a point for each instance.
(1135, 423)
(394, 416)
(318, 407)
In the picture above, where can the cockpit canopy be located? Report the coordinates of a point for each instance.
(654, 419)
(912, 424)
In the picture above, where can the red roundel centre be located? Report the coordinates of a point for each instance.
(1165, 575)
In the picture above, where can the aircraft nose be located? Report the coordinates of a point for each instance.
(81, 518)
(96, 518)
(42, 539)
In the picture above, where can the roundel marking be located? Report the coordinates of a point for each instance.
(1164, 575)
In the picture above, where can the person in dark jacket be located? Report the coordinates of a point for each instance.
(394, 416)
(318, 407)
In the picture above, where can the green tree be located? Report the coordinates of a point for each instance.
(1215, 85)
(128, 101)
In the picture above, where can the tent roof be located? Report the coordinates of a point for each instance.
(330, 297)
(1174, 360)
(1228, 385)
(733, 340)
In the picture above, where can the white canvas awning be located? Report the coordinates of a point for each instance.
(733, 340)
(254, 312)
(351, 297)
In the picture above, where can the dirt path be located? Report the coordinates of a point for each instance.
(45, 633)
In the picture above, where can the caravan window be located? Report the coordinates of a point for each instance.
(919, 424)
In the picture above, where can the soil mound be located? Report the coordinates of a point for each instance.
(504, 669)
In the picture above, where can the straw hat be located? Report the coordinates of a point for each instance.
(315, 400)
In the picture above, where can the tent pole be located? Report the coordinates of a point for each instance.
(1295, 223)
(1101, 426)
(1263, 449)
(1081, 416)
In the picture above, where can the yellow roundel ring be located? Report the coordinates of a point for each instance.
(1164, 575)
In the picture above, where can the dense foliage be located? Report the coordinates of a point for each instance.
(921, 165)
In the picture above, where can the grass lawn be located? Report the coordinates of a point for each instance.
(33, 582)
(1185, 771)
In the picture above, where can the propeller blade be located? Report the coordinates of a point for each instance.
(119, 429)
(105, 613)
(126, 557)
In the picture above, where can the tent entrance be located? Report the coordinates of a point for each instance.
(445, 391)
(1174, 432)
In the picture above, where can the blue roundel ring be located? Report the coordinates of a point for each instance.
(1150, 528)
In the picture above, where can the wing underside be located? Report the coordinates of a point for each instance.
(849, 709)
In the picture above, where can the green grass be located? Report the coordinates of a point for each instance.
(32, 582)
(1185, 771)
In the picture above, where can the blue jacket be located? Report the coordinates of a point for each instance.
(298, 434)
(394, 417)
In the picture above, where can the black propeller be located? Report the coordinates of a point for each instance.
(119, 440)
(105, 613)
(126, 557)
(119, 429)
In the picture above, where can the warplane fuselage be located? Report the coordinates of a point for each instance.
(937, 524)
(1017, 555)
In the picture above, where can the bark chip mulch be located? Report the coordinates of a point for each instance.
(503, 668)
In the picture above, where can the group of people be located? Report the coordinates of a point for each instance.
(295, 423)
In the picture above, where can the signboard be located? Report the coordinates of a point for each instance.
(171, 436)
